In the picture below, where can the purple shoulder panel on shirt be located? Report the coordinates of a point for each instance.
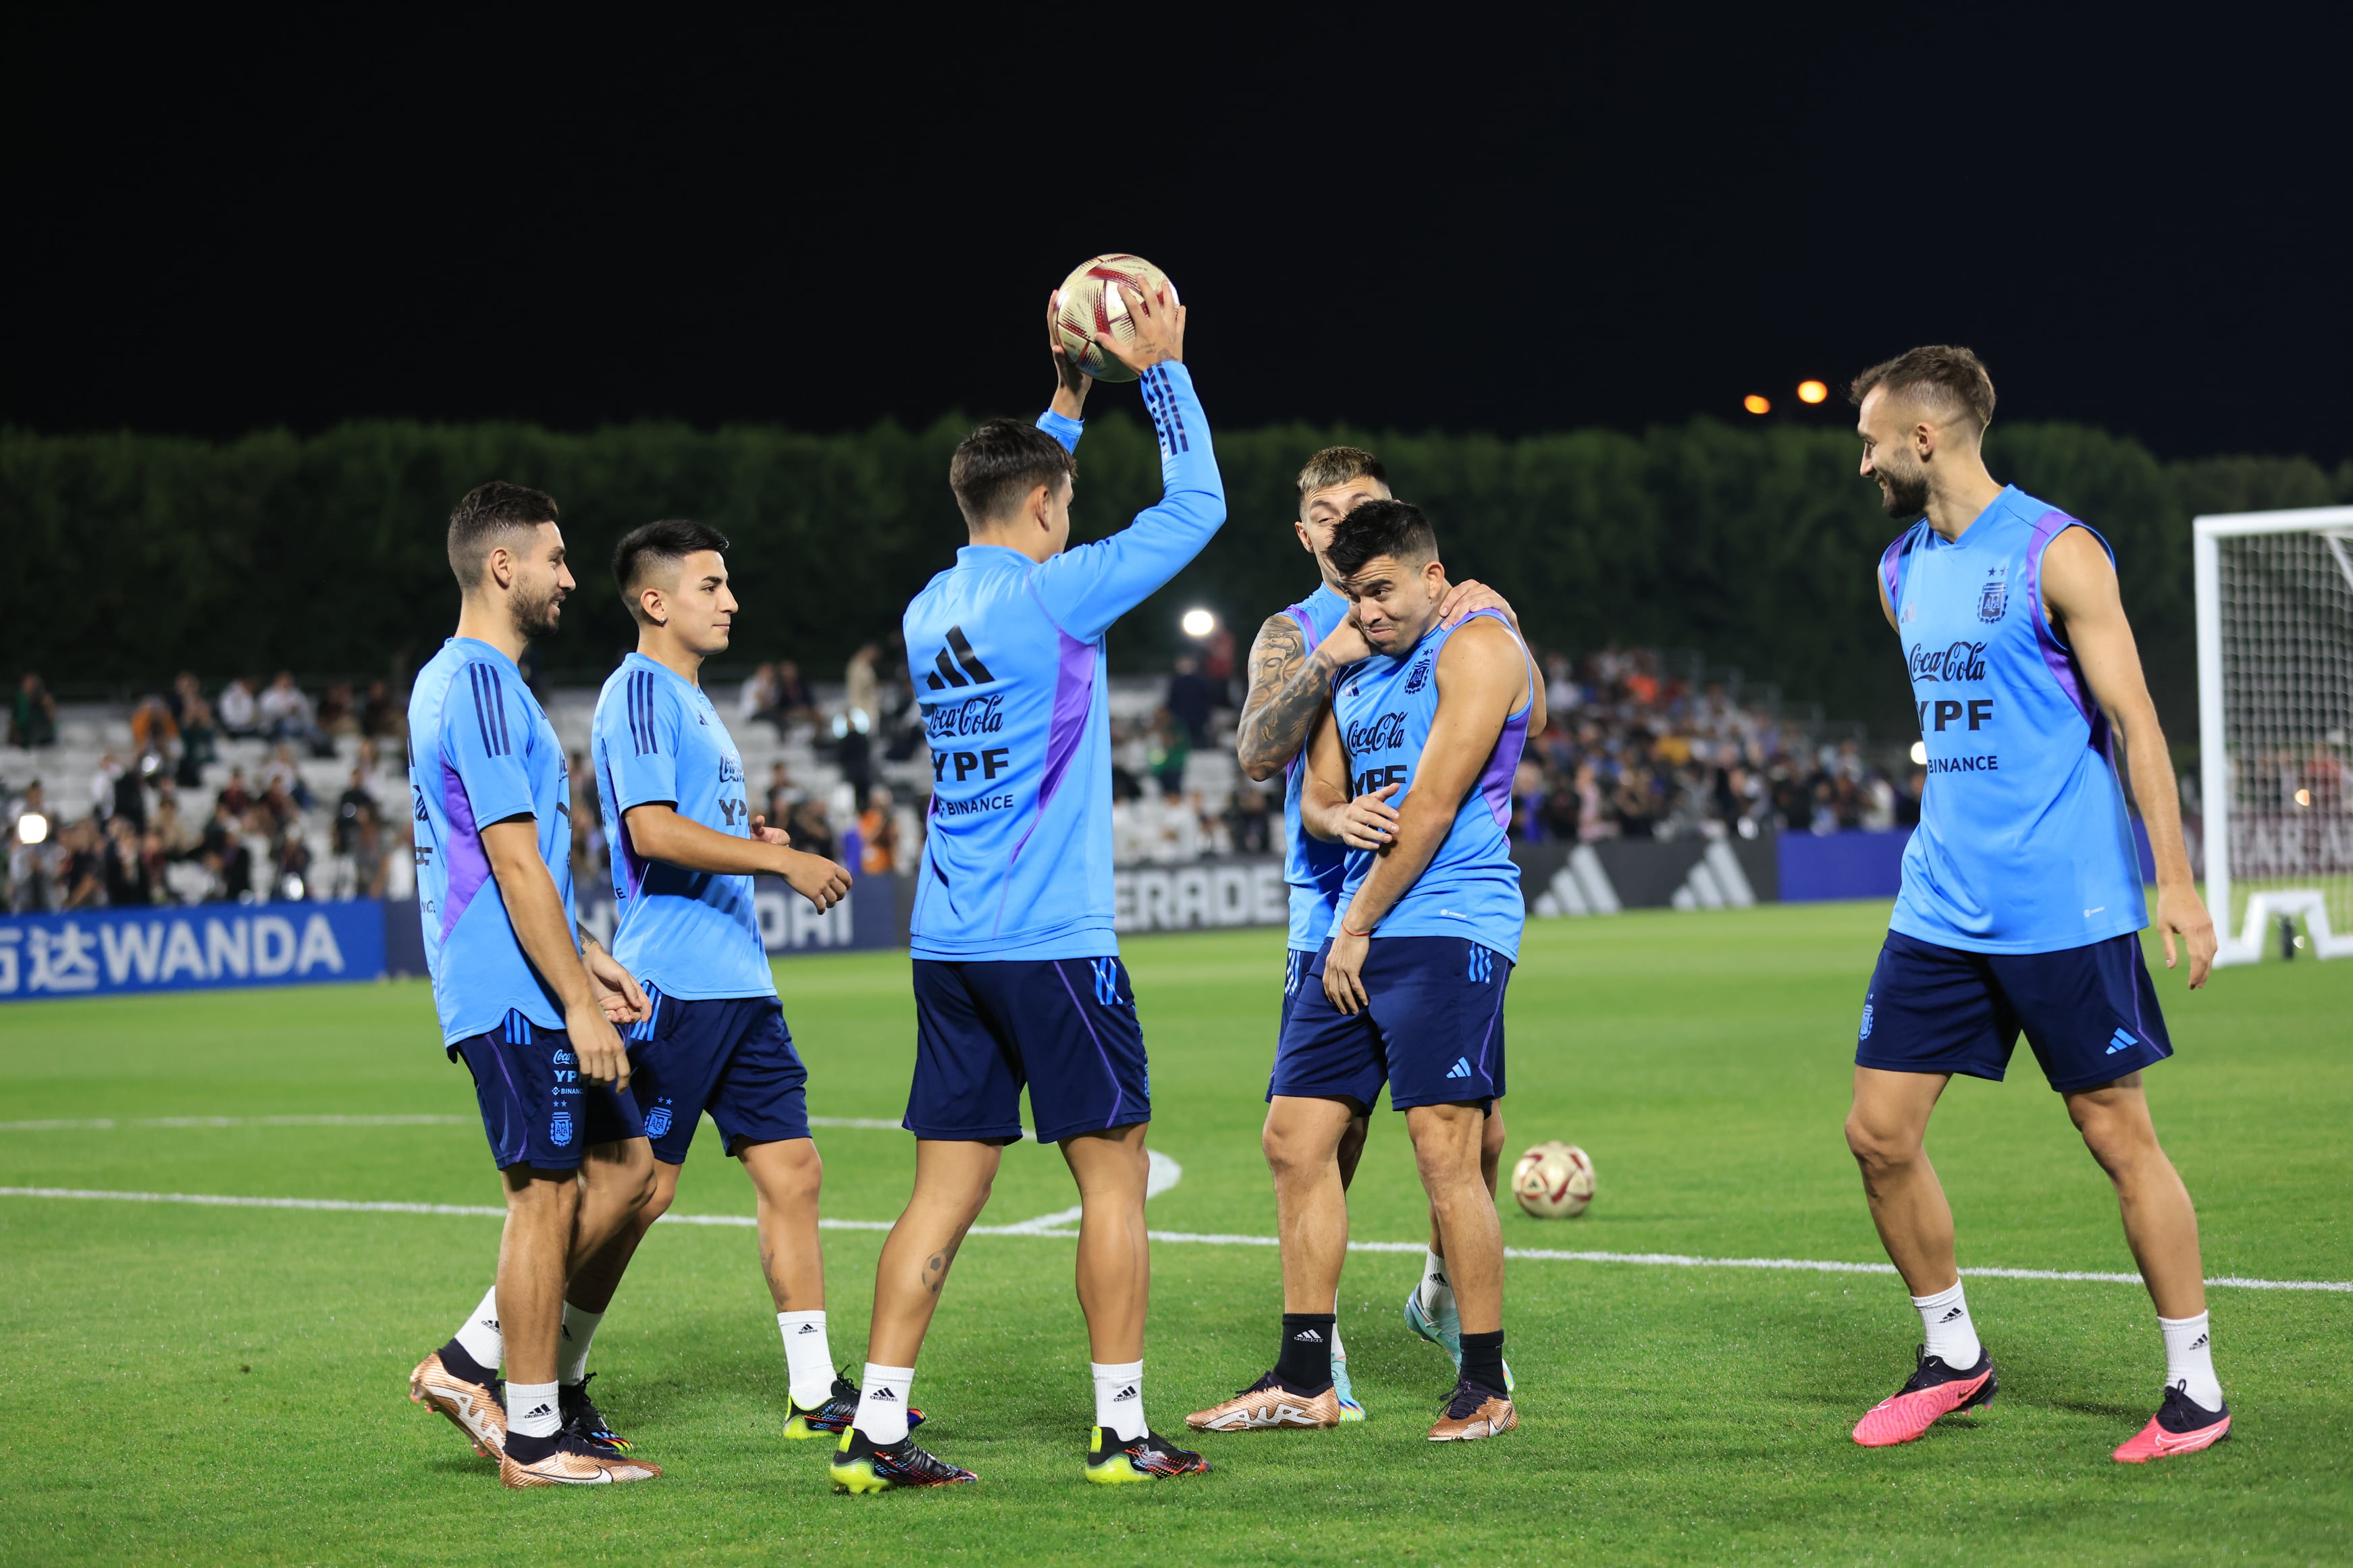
(469, 866)
(1495, 779)
(1075, 690)
(2057, 657)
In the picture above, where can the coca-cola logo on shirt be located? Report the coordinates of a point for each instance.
(1962, 661)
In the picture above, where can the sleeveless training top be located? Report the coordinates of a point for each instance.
(1313, 867)
(2024, 844)
(1471, 887)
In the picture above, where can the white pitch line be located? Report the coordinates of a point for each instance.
(1030, 1227)
(112, 1123)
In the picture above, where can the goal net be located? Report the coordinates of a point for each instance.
(2275, 722)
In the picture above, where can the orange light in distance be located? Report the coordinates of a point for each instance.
(1756, 405)
(1812, 392)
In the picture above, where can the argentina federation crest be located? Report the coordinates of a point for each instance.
(1864, 1033)
(1419, 677)
(1994, 597)
(559, 1130)
(658, 1119)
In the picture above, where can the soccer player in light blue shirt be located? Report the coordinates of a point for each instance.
(1292, 663)
(2021, 904)
(1017, 971)
(529, 1011)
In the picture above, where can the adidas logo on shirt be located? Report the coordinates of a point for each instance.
(945, 674)
(1461, 1068)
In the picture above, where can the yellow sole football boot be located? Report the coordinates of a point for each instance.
(1112, 1463)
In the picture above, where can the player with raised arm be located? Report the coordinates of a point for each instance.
(528, 1009)
(1409, 987)
(1017, 970)
(2021, 897)
(685, 847)
(1292, 663)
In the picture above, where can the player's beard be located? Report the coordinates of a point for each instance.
(1902, 494)
(536, 617)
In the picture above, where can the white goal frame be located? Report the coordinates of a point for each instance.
(2215, 778)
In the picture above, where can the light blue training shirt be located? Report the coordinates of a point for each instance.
(481, 752)
(2024, 844)
(694, 934)
(1006, 656)
(1314, 867)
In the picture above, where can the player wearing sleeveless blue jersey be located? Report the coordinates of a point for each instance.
(2022, 895)
(528, 1009)
(1017, 970)
(1409, 987)
(1292, 663)
(712, 1036)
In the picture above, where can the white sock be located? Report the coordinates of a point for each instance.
(808, 1360)
(1119, 1398)
(2189, 1360)
(1437, 1295)
(478, 1335)
(533, 1409)
(571, 1349)
(1944, 1319)
(883, 1401)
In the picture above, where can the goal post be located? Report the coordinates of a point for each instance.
(2275, 725)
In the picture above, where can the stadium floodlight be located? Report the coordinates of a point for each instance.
(32, 828)
(1756, 404)
(1812, 392)
(1919, 754)
(1198, 623)
(2276, 724)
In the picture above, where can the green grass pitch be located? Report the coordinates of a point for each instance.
(190, 1383)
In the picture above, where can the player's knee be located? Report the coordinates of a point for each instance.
(1876, 1149)
(1294, 1153)
(2120, 1144)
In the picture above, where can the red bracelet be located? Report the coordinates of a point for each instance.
(1345, 931)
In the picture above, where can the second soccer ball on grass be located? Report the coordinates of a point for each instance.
(1554, 1180)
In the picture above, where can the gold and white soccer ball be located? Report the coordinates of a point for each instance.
(1554, 1180)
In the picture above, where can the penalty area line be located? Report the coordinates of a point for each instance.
(1178, 1237)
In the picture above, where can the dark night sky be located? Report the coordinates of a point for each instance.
(1444, 218)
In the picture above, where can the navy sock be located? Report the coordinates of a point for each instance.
(1304, 1364)
(524, 1449)
(1483, 1360)
(460, 1365)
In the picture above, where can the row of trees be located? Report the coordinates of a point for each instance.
(135, 555)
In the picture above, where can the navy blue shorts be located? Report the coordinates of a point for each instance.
(2090, 1013)
(1434, 1033)
(732, 1056)
(536, 1107)
(1065, 1027)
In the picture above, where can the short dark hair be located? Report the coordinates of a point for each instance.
(1949, 374)
(673, 539)
(1378, 528)
(486, 512)
(999, 463)
(1336, 465)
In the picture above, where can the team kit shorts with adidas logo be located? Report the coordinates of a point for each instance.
(1434, 1033)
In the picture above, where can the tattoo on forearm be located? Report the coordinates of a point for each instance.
(1295, 682)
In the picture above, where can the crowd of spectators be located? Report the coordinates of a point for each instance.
(169, 821)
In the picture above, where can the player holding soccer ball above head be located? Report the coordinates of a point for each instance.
(2022, 895)
(1408, 986)
(1017, 971)
(686, 845)
(523, 1000)
(1292, 663)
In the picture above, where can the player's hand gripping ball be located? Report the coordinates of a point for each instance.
(1092, 310)
(1554, 1181)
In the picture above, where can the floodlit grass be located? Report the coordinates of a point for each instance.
(211, 1384)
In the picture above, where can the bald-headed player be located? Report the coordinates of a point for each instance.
(1292, 665)
(2022, 901)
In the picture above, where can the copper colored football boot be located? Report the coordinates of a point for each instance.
(476, 1408)
(1474, 1413)
(1266, 1405)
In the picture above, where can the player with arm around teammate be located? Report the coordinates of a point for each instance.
(528, 1011)
(1292, 663)
(1017, 971)
(686, 845)
(2022, 895)
(1409, 987)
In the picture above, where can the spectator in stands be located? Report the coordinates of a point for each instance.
(812, 834)
(170, 831)
(758, 697)
(860, 693)
(236, 795)
(877, 834)
(336, 713)
(81, 865)
(380, 717)
(1189, 700)
(154, 734)
(289, 857)
(903, 716)
(1633, 804)
(32, 717)
(1248, 821)
(780, 793)
(1167, 750)
(853, 745)
(193, 716)
(350, 806)
(223, 852)
(286, 714)
(31, 839)
(238, 710)
(125, 866)
(794, 704)
(369, 868)
(282, 775)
